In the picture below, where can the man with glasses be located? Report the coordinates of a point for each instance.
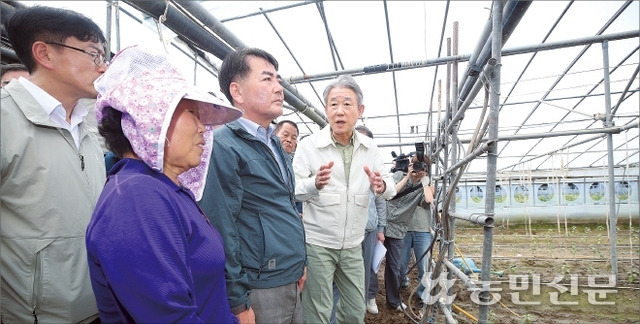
(99, 58)
(52, 167)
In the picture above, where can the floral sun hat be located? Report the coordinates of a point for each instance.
(146, 86)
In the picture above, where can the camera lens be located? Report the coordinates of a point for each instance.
(418, 166)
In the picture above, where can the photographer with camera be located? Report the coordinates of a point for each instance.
(412, 185)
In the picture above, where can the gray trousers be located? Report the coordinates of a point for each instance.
(370, 277)
(277, 305)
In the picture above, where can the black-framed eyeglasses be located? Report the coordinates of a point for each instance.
(98, 58)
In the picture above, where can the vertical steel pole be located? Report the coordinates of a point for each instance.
(454, 155)
(492, 158)
(608, 122)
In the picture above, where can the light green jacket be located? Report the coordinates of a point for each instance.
(47, 201)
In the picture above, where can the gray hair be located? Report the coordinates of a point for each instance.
(344, 81)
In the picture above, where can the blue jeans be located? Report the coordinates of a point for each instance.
(419, 242)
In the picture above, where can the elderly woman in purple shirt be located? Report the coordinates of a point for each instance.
(153, 255)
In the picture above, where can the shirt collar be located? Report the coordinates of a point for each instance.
(48, 102)
(254, 129)
(351, 140)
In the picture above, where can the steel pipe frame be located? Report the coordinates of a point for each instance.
(492, 159)
(194, 34)
(613, 216)
(511, 16)
(399, 66)
(475, 218)
(563, 74)
(292, 96)
(479, 150)
(488, 69)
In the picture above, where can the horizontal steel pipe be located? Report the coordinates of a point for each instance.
(476, 218)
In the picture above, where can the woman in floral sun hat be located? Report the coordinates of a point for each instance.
(153, 255)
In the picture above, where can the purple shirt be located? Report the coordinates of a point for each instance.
(153, 255)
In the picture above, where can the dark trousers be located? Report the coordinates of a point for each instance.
(392, 275)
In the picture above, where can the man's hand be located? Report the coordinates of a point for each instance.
(302, 280)
(323, 175)
(246, 317)
(379, 186)
(381, 237)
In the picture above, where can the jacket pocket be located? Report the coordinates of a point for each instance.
(252, 246)
(361, 211)
(37, 281)
(324, 217)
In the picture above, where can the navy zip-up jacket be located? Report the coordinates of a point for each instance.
(249, 202)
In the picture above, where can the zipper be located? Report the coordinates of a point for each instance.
(344, 227)
(81, 161)
(37, 282)
(259, 271)
(73, 145)
(35, 316)
(82, 135)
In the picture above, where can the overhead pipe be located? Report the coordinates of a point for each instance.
(8, 53)
(400, 66)
(512, 14)
(261, 12)
(291, 95)
(6, 10)
(488, 69)
(182, 26)
(191, 33)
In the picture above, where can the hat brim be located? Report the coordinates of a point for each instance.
(211, 109)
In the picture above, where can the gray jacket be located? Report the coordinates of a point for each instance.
(49, 189)
(401, 208)
(377, 218)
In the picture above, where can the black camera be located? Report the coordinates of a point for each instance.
(402, 161)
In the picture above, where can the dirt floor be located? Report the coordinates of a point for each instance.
(550, 274)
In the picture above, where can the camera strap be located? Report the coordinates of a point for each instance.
(406, 192)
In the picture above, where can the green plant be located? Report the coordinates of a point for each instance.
(574, 251)
(632, 275)
(574, 229)
(527, 319)
(491, 317)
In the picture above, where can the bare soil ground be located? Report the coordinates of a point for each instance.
(549, 275)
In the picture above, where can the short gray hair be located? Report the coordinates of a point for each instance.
(344, 81)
